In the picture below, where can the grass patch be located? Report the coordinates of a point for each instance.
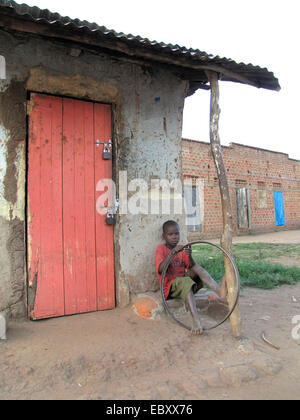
(251, 260)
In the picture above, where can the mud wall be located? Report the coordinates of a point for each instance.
(147, 103)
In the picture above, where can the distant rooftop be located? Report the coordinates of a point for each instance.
(233, 144)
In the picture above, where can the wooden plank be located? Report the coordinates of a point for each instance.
(68, 205)
(45, 259)
(90, 208)
(104, 232)
(79, 229)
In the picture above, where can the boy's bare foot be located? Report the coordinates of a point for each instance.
(214, 298)
(197, 328)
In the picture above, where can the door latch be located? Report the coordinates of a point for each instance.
(107, 146)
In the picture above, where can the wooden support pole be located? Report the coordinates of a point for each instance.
(226, 239)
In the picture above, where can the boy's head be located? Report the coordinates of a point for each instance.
(171, 233)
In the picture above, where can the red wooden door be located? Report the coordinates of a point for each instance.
(70, 247)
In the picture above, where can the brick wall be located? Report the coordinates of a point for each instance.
(259, 171)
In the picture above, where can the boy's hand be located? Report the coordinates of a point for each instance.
(188, 251)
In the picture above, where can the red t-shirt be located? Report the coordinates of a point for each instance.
(178, 266)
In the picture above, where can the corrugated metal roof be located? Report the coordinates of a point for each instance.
(191, 63)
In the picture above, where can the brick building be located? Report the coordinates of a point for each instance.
(264, 187)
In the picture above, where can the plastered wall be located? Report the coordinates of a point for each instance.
(147, 107)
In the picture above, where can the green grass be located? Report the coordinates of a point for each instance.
(252, 262)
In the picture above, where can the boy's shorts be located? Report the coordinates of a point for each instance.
(182, 285)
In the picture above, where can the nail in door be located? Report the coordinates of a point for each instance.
(70, 247)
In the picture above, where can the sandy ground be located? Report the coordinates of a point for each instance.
(280, 237)
(118, 355)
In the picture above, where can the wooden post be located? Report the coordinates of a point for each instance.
(226, 239)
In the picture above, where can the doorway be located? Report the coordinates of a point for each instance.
(70, 248)
(279, 208)
(242, 207)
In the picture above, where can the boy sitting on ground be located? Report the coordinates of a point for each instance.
(180, 284)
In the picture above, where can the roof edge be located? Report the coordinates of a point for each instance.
(53, 25)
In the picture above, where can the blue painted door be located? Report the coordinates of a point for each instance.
(279, 208)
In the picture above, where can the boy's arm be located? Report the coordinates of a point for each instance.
(162, 266)
(188, 252)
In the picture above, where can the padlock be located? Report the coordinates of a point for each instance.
(111, 213)
(110, 218)
(106, 152)
(106, 155)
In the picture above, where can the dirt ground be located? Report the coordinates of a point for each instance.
(118, 355)
(280, 237)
